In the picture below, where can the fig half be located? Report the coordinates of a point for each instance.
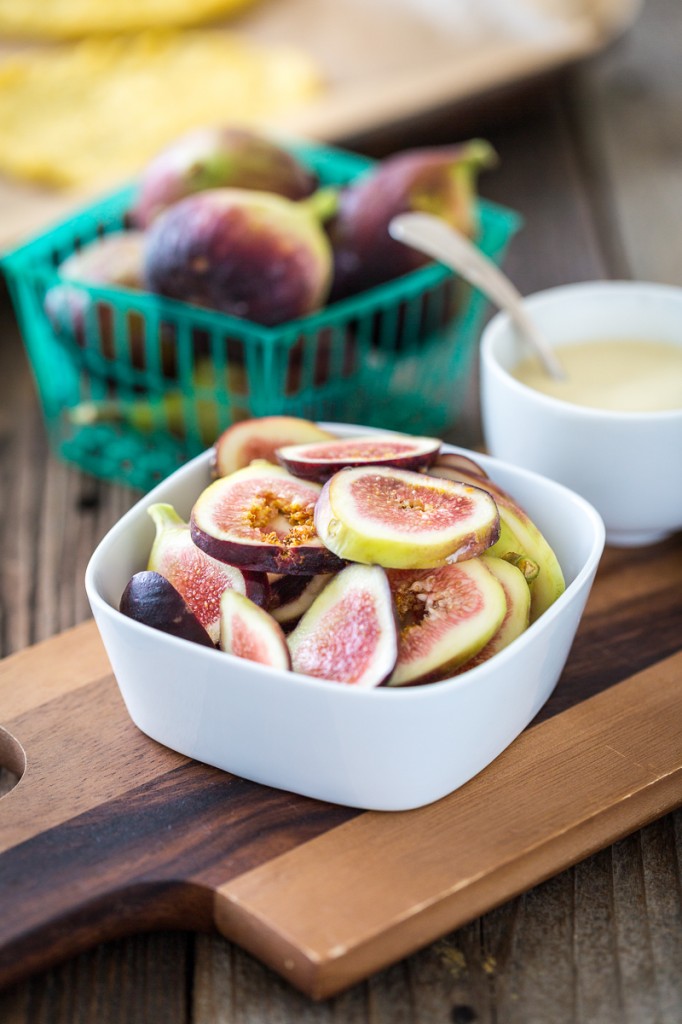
(446, 616)
(519, 536)
(517, 615)
(349, 633)
(200, 579)
(457, 461)
(404, 520)
(150, 598)
(262, 518)
(248, 631)
(319, 461)
(253, 439)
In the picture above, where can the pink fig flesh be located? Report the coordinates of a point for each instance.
(247, 440)
(200, 579)
(248, 631)
(218, 157)
(319, 461)
(446, 616)
(262, 518)
(349, 634)
(151, 599)
(517, 615)
(404, 520)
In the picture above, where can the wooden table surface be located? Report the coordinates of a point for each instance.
(593, 160)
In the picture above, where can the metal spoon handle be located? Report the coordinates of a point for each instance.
(435, 238)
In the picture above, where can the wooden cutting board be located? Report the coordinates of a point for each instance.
(107, 832)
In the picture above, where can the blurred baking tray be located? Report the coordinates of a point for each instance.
(386, 62)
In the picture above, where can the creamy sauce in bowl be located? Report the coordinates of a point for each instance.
(617, 375)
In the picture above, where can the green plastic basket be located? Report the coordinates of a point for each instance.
(149, 382)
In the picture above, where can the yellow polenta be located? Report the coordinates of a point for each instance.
(97, 110)
(64, 19)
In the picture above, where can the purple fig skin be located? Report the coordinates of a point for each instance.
(438, 180)
(218, 157)
(457, 461)
(151, 599)
(319, 461)
(306, 560)
(253, 255)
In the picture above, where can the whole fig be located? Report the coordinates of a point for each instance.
(115, 260)
(219, 157)
(438, 180)
(251, 254)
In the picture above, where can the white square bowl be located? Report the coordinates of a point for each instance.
(380, 749)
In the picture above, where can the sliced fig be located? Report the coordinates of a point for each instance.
(319, 461)
(150, 598)
(349, 633)
(200, 579)
(253, 439)
(455, 460)
(262, 518)
(519, 536)
(517, 615)
(291, 596)
(446, 616)
(248, 631)
(404, 520)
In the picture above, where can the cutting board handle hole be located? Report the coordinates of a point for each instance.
(12, 762)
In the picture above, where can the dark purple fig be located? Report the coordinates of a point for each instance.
(446, 616)
(349, 633)
(219, 157)
(438, 180)
(291, 596)
(200, 579)
(404, 520)
(253, 439)
(319, 461)
(261, 518)
(254, 255)
(458, 461)
(150, 598)
(248, 631)
(519, 539)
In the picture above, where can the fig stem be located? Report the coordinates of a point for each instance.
(322, 204)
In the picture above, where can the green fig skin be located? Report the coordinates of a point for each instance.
(438, 180)
(218, 157)
(253, 255)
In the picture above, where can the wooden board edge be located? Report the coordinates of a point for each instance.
(320, 978)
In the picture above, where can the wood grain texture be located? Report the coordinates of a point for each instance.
(109, 833)
(600, 943)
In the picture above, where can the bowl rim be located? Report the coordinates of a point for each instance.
(501, 322)
(420, 692)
